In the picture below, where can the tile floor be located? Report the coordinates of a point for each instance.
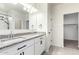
(71, 48)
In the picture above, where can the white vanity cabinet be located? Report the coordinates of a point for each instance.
(19, 49)
(33, 46)
(39, 45)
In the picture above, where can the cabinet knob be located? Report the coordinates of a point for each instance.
(40, 42)
(23, 53)
(20, 53)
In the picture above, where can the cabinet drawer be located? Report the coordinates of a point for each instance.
(16, 48)
(27, 51)
(25, 44)
(9, 50)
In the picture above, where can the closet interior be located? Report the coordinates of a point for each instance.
(71, 30)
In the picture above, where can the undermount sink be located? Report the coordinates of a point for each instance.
(3, 40)
(16, 37)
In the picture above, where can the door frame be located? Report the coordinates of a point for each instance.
(63, 28)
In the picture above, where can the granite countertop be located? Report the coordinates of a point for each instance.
(19, 39)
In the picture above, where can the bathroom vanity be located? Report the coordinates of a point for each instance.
(21, 32)
(30, 43)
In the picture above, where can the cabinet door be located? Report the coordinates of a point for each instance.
(39, 45)
(29, 50)
(37, 48)
(42, 43)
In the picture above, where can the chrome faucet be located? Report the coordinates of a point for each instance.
(5, 20)
(10, 36)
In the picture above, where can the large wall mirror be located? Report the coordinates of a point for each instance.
(13, 16)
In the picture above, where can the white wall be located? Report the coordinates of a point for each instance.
(57, 15)
(49, 25)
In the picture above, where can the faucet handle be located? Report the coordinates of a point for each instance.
(11, 34)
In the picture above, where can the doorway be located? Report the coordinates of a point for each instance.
(71, 30)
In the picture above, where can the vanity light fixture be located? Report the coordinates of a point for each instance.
(29, 8)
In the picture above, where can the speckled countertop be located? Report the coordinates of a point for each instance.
(19, 39)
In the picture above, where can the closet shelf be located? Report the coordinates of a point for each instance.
(70, 24)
